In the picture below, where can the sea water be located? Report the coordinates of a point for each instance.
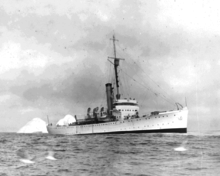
(116, 154)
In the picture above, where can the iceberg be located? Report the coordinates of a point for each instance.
(36, 125)
(60, 122)
(67, 120)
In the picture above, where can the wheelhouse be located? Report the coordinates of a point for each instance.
(125, 108)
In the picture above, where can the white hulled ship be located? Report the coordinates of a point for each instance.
(122, 116)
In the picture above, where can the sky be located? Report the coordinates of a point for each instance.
(54, 57)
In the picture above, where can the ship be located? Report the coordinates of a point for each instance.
(122, 115)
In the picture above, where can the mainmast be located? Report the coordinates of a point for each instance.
(116, 64)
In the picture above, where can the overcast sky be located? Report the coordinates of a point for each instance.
(53, 57)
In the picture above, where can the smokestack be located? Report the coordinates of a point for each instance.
(109, 97)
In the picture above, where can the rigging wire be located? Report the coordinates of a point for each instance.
(123, 82)
(127, 85)
(161, 94)
(89, 102)
(109, 73)
(156, 94)
(148, 76)
(146, 87)
(121, 86)
(122, 92)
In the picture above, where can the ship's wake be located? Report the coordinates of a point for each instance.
(27, 158)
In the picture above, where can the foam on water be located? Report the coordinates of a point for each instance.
(50, 155)
(180, 149)
(27, 161)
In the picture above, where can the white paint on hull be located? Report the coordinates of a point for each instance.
(166, 120)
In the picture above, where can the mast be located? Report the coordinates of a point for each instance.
(116, 64)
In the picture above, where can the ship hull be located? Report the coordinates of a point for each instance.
(166, 122)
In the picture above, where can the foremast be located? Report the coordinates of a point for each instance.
(116, 64)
